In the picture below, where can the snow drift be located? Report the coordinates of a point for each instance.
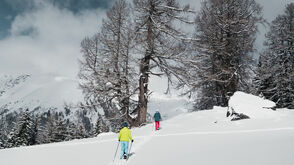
(252, 106)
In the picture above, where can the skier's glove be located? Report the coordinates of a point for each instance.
(132, 141)
(118, 140)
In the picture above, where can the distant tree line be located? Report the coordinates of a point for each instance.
(29, 129)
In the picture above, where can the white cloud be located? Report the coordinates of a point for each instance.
(47, 40)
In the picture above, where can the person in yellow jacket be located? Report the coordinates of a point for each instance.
(124, 136)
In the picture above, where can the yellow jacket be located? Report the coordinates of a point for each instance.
(124, 135)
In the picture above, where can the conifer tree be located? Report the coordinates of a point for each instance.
(81, 132)
(49, 128)
(35, 130)
(97, 128)
(13, 139)
(3, 132)
(22, 133)
(72, 131)
(276, 63)
(60, 131)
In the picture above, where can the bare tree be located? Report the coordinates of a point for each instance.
(106, 74)
(159, 42)
(221, 59)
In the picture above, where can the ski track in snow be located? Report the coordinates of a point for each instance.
(141, 140)
(228, 132)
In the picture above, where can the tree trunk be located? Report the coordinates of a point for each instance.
(144, 70)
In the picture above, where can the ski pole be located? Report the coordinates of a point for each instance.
(130, 148)
(129, 151)
(115, 151)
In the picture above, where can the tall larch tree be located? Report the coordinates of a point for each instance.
(221, 60)
(106, 74)
(158, 42)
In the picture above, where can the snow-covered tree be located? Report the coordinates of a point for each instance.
(3, 132)
(12, 140)
(276, 63)
(35, 130)
(107, 78)
(72, 131)
(81, 132)
(221, 60)
(47, 134)
(100, 126)
(23, 133)
(60, 131)
(97, 128)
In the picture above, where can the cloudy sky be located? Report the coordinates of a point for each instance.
(43, 36)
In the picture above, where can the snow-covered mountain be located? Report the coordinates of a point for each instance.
(44, 94)
(7, 82)
(38, 92)
(204, 137)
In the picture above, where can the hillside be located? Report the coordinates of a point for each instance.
(38, 92)
(45, 94)
(205, 137)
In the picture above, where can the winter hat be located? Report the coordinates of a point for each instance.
(125, 124)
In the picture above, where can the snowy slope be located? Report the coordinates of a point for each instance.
(47, 91)
(7, 82)
(206, 138)
(53, 91)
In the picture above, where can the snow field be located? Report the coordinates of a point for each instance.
(204, 137)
